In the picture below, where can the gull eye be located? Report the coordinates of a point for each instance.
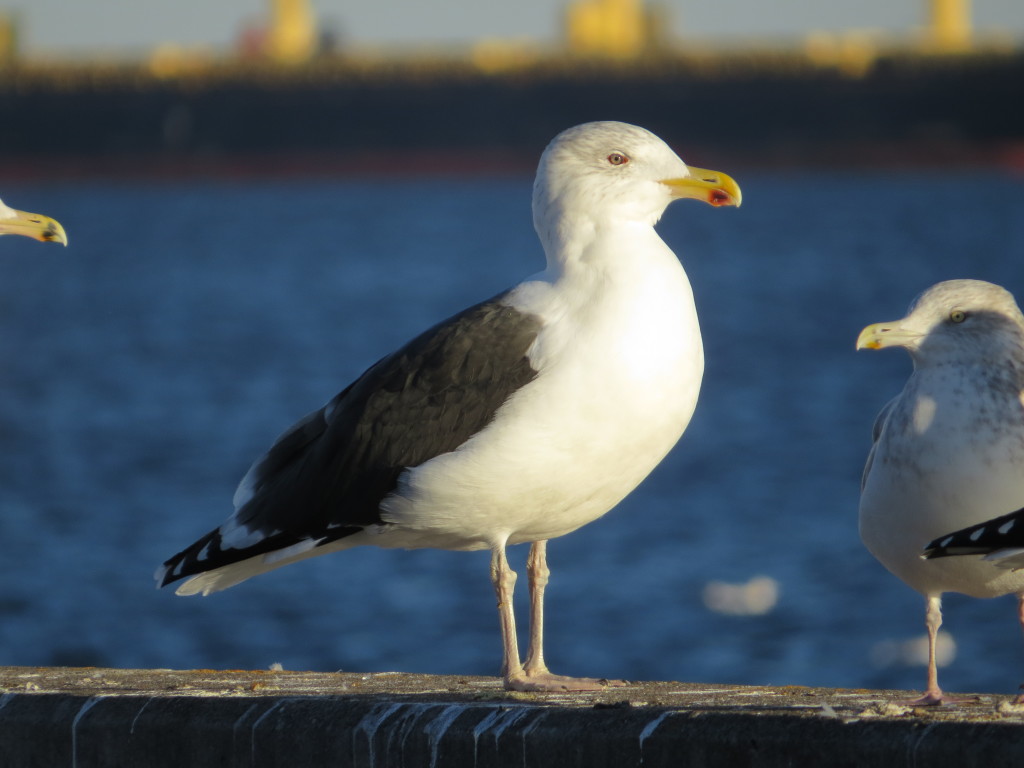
(617, 158)
(957, 315)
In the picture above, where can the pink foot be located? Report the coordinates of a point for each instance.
(546, 682)
(935, 698)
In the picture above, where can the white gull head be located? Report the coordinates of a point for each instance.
(598, 173)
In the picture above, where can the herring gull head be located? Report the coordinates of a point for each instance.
(956, 321)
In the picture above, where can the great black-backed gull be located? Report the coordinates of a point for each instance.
(517, 420)
(949, 451)
(34, 225)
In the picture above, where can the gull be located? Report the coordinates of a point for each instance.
(949, 450)
(517, 420)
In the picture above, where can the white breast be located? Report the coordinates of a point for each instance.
(619, 368)
(950, 483)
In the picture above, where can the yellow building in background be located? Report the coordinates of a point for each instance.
(617, 29)
(8, 38)
(949, 25)
(292, 35)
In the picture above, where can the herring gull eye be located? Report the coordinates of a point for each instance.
(617, 158)
(957, 315)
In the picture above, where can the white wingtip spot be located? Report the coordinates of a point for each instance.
(235, 536)
(946, 541)
(978, 534)
(1006, 527)
(158, 575)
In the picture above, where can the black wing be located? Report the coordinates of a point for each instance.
(1006, 532)
(325, 477)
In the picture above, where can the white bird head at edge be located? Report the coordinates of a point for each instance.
(959, 320)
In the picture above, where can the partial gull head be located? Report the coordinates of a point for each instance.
(34, 225)
(957, 322)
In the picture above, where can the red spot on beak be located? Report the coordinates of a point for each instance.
(718, 198)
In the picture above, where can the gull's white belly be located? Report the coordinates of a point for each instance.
(616, 387)
(951, 484)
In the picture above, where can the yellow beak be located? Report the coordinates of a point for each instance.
(713, 187)
(882, 335)
(33, 225)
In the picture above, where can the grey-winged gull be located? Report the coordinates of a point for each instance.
(517, 420)
(34, 225)
(949, 451)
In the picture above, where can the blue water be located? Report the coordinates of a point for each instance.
(189, 323)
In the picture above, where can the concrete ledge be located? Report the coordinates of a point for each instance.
(199, 718)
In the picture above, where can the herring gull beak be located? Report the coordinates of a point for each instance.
(882, 335)
(713, 187)
(34, 225)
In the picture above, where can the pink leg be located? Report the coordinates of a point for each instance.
(504, 580)
(933, 619)
(1020, 617)
(535, 676)
(537, 572)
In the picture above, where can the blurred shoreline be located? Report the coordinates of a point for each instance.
(447, 117)
(456, 164)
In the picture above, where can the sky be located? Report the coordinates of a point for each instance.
(76, 26)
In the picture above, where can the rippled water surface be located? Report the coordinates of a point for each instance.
(189, 323)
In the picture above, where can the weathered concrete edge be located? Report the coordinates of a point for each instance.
(119, 730)
(217, 727)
